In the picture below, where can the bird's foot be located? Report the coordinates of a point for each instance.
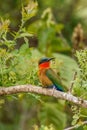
(53, 90)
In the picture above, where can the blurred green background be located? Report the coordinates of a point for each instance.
(54, 28)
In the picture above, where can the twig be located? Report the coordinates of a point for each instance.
(76, 126)
(44, 91)
(71, 87)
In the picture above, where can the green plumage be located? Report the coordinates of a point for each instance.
(54, 79)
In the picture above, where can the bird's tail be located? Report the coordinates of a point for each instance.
(59, 88)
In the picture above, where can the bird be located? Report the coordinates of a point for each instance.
(47, 75)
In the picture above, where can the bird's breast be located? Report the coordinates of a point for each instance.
(46, 82)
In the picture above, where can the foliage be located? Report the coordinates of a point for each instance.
(65, 67)
(80, 87)
(12, 59)
(19, 66)
(50, 127)
(49, 34)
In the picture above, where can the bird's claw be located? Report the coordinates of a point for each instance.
(53, 90)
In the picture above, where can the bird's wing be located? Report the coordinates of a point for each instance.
(54, 78)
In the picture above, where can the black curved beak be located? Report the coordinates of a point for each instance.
(51, 58)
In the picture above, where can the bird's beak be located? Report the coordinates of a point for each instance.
(51, 58)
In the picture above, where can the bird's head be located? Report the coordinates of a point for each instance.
(44, 62)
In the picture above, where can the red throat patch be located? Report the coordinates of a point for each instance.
(44, 65)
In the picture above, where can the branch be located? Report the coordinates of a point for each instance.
(76, 126)
(44, 91)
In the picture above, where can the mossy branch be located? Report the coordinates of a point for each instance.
(43, 91)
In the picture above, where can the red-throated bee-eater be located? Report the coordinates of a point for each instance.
(47, 76)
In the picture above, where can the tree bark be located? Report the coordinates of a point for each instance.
(39, 90)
